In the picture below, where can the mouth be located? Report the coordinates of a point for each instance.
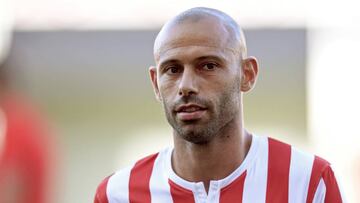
(190, 112)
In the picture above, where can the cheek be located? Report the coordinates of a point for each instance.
(221, 90)
(167, 89)
(212, 91)
(214, 87)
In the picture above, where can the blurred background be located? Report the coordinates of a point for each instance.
(83, 65)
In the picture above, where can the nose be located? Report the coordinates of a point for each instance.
(188, 82)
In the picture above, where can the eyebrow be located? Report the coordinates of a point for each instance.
(212, 57)
(201, 58)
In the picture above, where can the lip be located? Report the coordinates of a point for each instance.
(190, 112)
(187, 106)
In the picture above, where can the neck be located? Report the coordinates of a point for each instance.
(214, 160)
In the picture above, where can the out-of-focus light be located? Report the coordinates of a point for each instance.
(6, 25)
(333, 88)
(334, 99)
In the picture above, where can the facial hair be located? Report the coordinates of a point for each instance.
(222, 110)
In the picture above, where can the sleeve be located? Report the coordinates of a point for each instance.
(328, 190)
(101, 195)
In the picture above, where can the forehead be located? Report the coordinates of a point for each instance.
(205, 33)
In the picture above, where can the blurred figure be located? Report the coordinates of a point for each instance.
(24, 163)
(25, 148)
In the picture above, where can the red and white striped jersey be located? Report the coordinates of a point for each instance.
(272, 172)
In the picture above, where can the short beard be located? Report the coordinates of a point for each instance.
(229, 105)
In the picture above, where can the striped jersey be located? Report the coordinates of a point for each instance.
(272, 172)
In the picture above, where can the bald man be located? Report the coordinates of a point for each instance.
(201, 73)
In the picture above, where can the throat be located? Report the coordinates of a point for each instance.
(212, 161)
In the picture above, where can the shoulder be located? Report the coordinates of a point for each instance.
(115, 188)
(278, 150)
(323, 185)
(101, 194)
(299, 163)
(290, 159)
(305, 170)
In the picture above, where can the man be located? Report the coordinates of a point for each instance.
(201, 72)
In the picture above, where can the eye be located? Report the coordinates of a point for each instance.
(173, 70)
(209, 66)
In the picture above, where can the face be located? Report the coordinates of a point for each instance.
(198, 79)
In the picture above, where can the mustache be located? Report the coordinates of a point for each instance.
(191, 99)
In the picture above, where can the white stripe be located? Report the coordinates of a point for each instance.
(256, 175)
(159, 186)
(320, 192)
(117, 189)
(299, 177)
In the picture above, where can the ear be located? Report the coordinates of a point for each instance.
(154, 82)
(250, 70)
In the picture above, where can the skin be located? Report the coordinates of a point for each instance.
(201, 60)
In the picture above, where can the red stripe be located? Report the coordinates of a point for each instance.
(321, 169)
(101, 196)
(319, 166)
(139, 188)
(180, 194)
(332, 189)
(233, 193)
(278, 172)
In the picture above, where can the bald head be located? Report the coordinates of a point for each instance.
(200, 17)
(201, 60)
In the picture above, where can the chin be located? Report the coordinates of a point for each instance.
(195, 137)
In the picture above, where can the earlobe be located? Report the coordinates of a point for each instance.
(249, 73)
(154, 82)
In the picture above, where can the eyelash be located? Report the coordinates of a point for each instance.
(201, 67)
(169, 68)
(209, 63)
